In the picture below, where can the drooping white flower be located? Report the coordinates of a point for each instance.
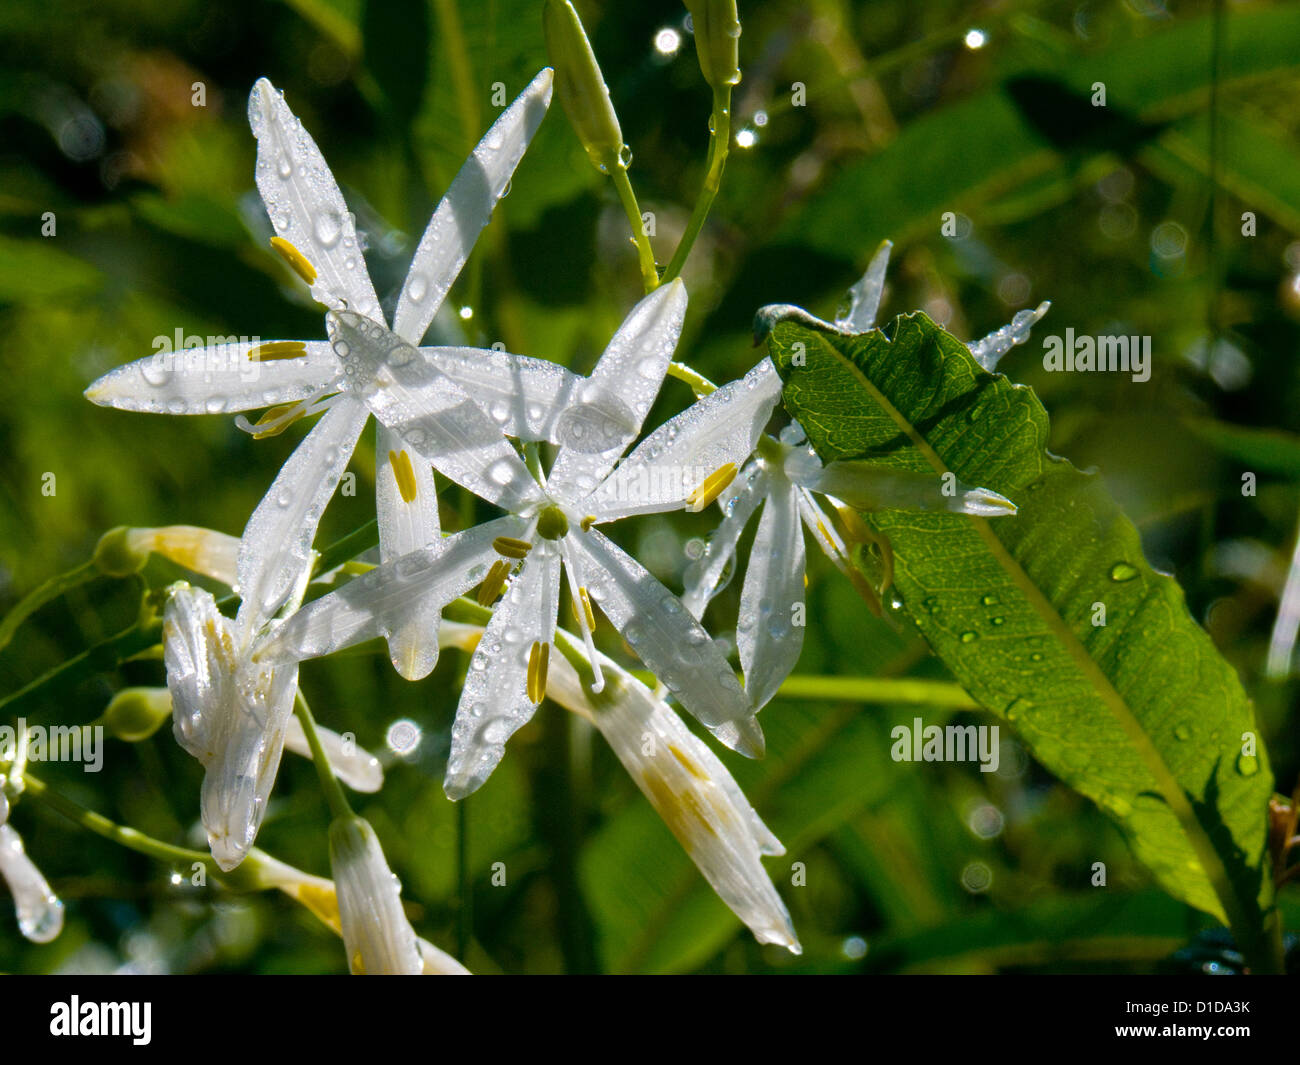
(376, 933)
(317, 236)
(40, 912)
(550, 530)
(355, 766)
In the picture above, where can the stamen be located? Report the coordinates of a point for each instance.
(711, 487)
(510, 547)
(587, 612)
(493, 583)
(278, 349)
(274, 421)
(588, 522)
(539, 658)
(403, 474)
(296, 260)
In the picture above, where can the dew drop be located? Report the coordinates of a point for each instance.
(418, 288)
(989, 600)
(998, 620)
(328, 229)
(284, 165)
(1247, 765)
(625, 157)
(1182, 732)
(969, 637)
(1122, 571)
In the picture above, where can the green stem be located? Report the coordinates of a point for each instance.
(645, 254)
(347, 548)
(719, 146)
(877, 690)
(329, 783)
(47, 592)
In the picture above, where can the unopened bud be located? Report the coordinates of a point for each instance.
(581, 87)
(135, 714)
(119, 554)
(717, 40)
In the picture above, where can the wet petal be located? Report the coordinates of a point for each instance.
(672, 644)
(375, 603)
(866, 486)
(406, 501)
(704, 578)
(376, 933)
(430, 412)
(496, 700)
(439, 962)
(466, 209)
(525, 397)
(276, 550)
(713, 433)
(769, 634)
(989, 350)
(305, 205)
(40, 913)
(614, 401)
(224, 378)
(864, 297)
(205, 551)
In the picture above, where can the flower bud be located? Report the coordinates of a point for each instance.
(135, 714)
(581, 87)
(119, 553)
(378, 937)
(717, 40)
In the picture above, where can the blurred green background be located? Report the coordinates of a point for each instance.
(1121, 216)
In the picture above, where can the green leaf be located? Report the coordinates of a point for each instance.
(1140, 714)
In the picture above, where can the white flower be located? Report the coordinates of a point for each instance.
(376, 933)
(317, 236)
(356, 767)
(783, 479)
(40, 913)
(691, 790)
(550, 530)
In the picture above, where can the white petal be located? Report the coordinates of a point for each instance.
(276, 549)
(1281, 644)
(305, 205)
(375, 603)
(525, 397)
(864, 297)
(230, 714)
(692, 791)
(376, 933)
(40, 913)
(720, 429)
(494, 702)
(467, 207)
(769, 634)
(991, 348)
(672, 644)
(356, 767)
(865, 486)
(215, 380)
(439, 962)
(618, 395)
(406, 526)
(704, 579)
(430, 412)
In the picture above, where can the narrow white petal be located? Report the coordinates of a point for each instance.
(40, 913)
(616, 398)
(989, 350)
(215, 380)
(865, 486)
(467, 207)
(304, 203)
(439, 962)
(276, 548)
(430, 412)
(525, 397)
(705, 578)
(864, 297)
(494, 703)
(406, 525)
(376, 933)
(356, 767)
(692, 791)
(769, 634)
(720, 429)
(375, 603)
(1281, 644)
(672, 644)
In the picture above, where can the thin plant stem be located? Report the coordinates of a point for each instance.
(645, 254)
(719, 147)
(45, 593)
(329, 783)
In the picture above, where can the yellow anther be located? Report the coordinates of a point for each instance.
(711, 487)
(493, 583)
(403, 474)
(510, 547)
(296, 260)
(271, 424)
(278, 349)
(539, 657)
(587, 612)
(588, 522)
